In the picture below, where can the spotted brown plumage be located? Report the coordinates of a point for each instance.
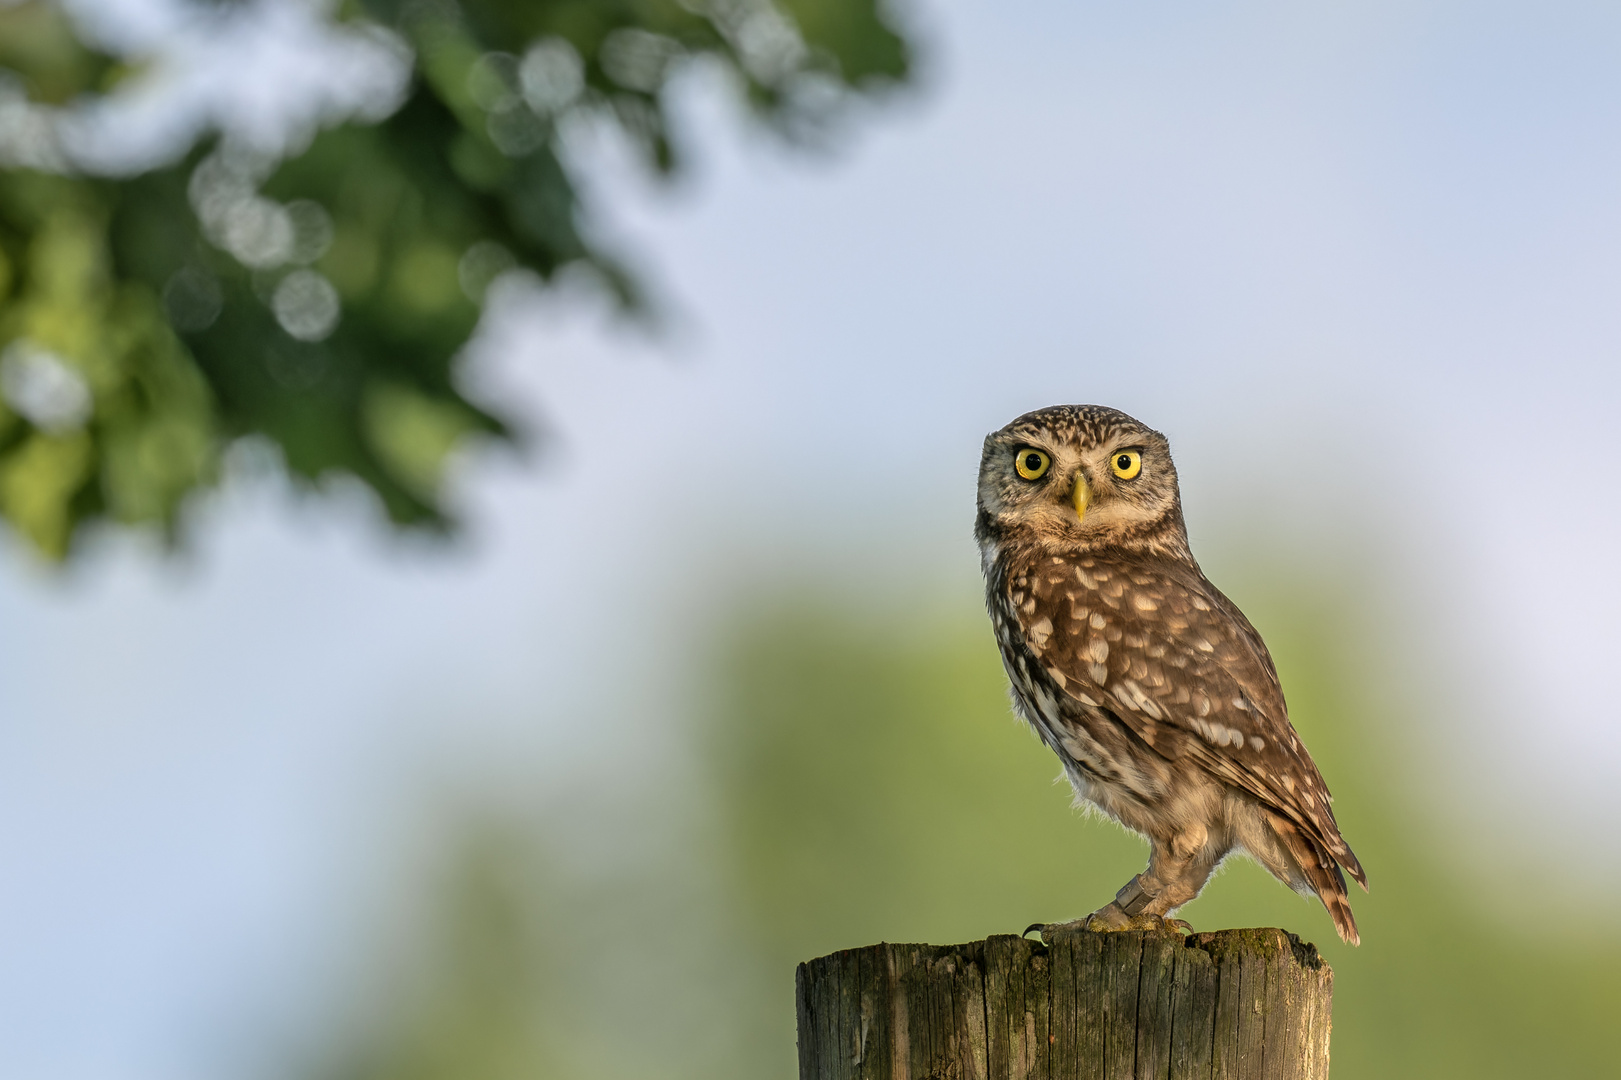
(1151, 686)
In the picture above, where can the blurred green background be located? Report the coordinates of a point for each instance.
(704, 688)
(862, 779)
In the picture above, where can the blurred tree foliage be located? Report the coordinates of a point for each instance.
(319, 302)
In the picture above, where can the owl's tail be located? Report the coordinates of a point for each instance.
(1322, 873)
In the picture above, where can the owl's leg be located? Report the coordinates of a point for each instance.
(1176, 872)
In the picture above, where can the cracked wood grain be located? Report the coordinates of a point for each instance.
(1230, 1005)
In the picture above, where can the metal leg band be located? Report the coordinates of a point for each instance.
(1132, 898)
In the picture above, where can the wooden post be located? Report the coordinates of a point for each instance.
(1129, 1005)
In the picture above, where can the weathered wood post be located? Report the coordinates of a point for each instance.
(1131, 1005)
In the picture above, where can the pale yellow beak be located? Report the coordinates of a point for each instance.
(1082, 495)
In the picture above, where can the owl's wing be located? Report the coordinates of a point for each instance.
(1176, 662)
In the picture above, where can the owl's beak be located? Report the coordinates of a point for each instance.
(1081, 495)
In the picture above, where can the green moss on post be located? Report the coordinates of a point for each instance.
(1230, 1005)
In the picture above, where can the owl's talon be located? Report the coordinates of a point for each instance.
(1033, 926)
(1179, 924)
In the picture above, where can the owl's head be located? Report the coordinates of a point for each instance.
(1081, 477)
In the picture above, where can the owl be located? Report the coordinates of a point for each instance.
(1152, 688)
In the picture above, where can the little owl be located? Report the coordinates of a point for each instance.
(1151, 687)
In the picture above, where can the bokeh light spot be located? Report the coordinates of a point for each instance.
(192, 299)
(480, 265)
(42, 387)
(492, 82)
(306, 305)
(551, 75)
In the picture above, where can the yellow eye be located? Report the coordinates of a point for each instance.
(1127, 464)
(1031, 463)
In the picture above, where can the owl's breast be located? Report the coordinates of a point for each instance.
(1033, 702)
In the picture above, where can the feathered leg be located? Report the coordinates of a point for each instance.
(1176, 873)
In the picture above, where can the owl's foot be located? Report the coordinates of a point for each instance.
(1109, 918)
(1133, 901)
(1112, 916)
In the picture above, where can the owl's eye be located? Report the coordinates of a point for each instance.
(1031, 463)
(1127, 464)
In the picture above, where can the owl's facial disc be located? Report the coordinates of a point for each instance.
(1080, 477)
